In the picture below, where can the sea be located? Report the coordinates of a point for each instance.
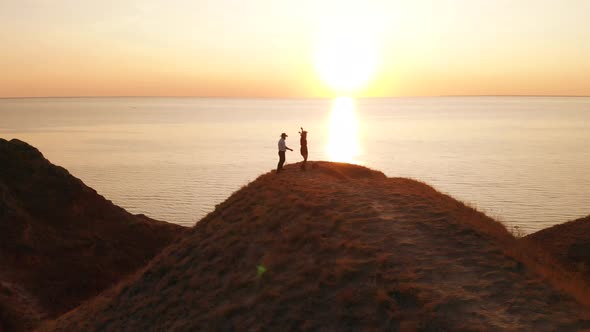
(524, 161)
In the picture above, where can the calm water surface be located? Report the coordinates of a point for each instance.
(523, 160)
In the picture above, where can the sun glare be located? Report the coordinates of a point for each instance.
(346, 47)
(345, 65)
(343, 143)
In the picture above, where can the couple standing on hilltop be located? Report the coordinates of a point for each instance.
(283, 148)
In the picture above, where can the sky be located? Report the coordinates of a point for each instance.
(301, 48)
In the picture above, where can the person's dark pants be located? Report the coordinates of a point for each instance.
(304, 155)
(281, 161)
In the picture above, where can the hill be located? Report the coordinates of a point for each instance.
(338, 247)
(569, 243)
(61, 243)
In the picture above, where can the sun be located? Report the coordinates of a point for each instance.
(345, 54)
(345, 66)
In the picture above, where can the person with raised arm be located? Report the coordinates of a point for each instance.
(304, 152)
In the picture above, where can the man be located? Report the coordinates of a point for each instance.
(282, 149)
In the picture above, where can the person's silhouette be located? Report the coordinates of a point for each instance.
(303, 150)
(282, 149)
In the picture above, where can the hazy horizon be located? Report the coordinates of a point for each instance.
(294, 49)
(324, 97)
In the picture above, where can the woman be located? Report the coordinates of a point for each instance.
(303, 142)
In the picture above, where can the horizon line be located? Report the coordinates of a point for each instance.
(284, 97)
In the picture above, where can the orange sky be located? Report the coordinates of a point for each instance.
(270, 48)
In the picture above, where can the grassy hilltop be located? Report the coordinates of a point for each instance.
(340, 247)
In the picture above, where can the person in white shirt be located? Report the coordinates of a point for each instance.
(282, 149)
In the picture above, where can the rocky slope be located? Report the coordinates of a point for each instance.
(61, 243)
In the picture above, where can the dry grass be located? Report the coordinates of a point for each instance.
(568, 242)
(343, 248)
(562, 254)
(18, 311)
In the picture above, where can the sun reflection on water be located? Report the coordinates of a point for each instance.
(343, 141)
